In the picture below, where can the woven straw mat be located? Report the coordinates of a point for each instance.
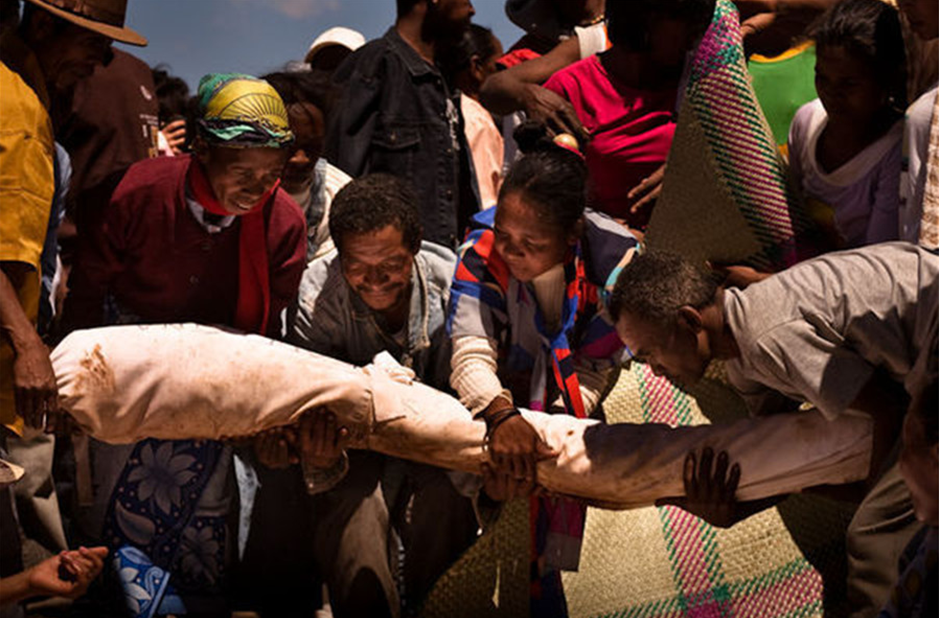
(662, 562)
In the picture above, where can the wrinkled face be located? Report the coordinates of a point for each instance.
(529, 246)
(919, 465)
(239, 177)
(377, 265)
(73, 55)
(308, 127)
(449, 19)
(676, 353)
(923, 16)
(847, 87)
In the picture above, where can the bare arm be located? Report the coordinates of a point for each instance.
(33, 378)
(519, 88)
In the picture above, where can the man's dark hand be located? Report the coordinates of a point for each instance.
(709, 494)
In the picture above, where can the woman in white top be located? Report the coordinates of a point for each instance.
(845, 147)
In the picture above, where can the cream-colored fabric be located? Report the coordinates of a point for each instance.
(549, 292)
(125, 383)
(929, 228)
(473, 372)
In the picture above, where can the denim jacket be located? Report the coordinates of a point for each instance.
(332, 320)
(396, 115)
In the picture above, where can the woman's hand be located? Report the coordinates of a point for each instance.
(515, 448)
(67, 574)
(554, 111)
(175, 134)
(647, 191)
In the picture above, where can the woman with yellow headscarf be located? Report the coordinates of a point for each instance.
(207, 238)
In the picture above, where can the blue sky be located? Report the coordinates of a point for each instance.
(195, 37)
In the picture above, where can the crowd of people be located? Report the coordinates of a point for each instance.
(480, 214)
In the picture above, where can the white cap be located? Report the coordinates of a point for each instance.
(346, 37)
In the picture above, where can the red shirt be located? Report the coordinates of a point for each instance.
(631, 132)
(160, 264)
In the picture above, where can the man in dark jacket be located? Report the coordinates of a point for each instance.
(396, 115)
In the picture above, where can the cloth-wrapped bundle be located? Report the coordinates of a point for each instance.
(127, 383)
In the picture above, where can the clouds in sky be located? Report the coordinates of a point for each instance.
(297, 9)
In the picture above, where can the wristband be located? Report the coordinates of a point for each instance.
(497, 419)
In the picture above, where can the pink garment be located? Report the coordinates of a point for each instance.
(632, 131)
(486, 146)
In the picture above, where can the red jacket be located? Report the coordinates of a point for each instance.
(162, 266)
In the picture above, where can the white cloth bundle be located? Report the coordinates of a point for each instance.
(126, 383)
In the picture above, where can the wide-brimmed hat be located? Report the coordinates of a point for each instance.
(105, 17)
(344, 37)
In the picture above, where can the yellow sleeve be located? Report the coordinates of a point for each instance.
(27, 184)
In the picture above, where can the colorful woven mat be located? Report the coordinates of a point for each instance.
(666, 563)
(725, 196)
(662, 562)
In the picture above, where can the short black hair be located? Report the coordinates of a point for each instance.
(311, 87)
(172, 93)
(655, 285)
(476, 41)
(869, 30)
(554, 182)
(629, 22)
(372, 202)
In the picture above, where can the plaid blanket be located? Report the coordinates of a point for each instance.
(666, 563)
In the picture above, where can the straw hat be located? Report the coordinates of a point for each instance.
(105, 17)
(344, 37)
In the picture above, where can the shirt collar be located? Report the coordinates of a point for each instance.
(200, 214)
(416, 65)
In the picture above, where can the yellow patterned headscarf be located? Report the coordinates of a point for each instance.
(242, 111)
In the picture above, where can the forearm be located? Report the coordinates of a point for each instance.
(15, 324)
(15, 588)
(503, 93)
(509, 91)
(474, 376)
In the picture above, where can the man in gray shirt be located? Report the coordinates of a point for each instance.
(385, 290)
(849, 333)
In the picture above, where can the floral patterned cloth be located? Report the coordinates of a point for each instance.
(157, 529)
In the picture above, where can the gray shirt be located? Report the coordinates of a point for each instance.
(333, 320)
(818, 331)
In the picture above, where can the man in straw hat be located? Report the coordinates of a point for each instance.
(57, 44)
(207, 238)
